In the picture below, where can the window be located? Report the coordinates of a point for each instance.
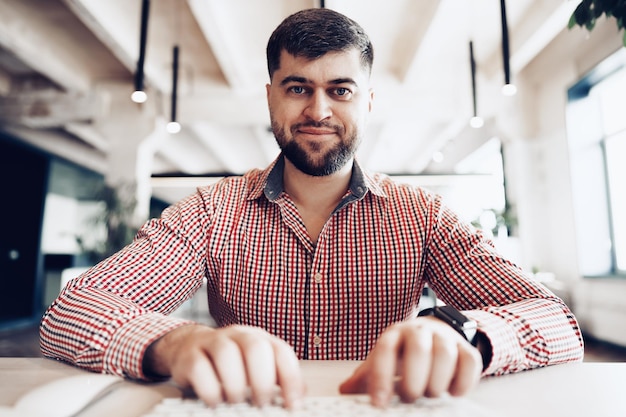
(597, 141)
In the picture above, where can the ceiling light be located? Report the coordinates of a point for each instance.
(139, 96)
(173, 127)
(509, 89)
(477, 122)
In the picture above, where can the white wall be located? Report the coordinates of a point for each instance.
(539, 169)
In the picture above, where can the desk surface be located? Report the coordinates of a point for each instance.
(581, 389)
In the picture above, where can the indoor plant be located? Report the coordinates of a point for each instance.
(115, 216)
(588, 11)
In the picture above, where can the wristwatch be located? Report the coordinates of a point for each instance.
(459, 322)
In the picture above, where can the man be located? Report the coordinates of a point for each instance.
(311, 258)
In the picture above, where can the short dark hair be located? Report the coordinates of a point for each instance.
(311, 33)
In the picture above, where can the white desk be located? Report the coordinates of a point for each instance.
(572, 390)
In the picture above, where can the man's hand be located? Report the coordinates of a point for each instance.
(226, 364)
(416, 358)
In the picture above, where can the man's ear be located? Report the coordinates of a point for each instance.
(267, 90)
(370, 104)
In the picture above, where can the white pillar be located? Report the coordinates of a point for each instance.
(126, 125)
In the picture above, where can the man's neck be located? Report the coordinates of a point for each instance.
(316, 197)
(311, 191)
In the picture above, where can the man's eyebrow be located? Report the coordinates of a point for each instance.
(294, 79)
(303, 80)
(344, 81)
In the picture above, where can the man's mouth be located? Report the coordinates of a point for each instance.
(317, 131)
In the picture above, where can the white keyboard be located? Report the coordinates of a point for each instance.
(322, 407)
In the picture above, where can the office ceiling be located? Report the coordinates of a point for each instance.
(56, 56)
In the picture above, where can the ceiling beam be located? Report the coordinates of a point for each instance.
(215, 29)
(88, 133)
(118, 41)
(238, 35)
(116, 24)
(532, 33)
(49, 108)
(542, 35)
(41, 44)
(409, 36)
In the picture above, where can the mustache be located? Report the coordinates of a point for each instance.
(313, 123)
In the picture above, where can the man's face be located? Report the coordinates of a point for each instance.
(319, 108)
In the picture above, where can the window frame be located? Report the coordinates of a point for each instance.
(587, 139)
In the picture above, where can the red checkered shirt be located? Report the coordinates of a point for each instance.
(329, 300)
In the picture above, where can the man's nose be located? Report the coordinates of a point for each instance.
(319, 107)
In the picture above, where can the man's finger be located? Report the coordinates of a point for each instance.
(260, 364)
(225, 355)
(357, 382)
(288, 374)
(468, 370)
(202, 378)
(382, 366)
(443, 366)
(416, 364)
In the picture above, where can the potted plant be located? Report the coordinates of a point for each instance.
(109, 228)
(114, 216)
(588, 11)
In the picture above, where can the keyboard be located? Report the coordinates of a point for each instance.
(331, 406)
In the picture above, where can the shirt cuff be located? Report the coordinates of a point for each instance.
(507, 354)
(124, 356)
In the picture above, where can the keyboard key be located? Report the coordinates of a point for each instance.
(351, 405)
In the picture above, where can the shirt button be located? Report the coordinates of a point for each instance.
(317, 340)
(317, 278)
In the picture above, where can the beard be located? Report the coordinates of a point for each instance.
(318, 166)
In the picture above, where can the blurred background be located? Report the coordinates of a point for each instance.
(516, 119)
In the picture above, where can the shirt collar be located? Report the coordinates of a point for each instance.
(271, 182)
(274, 183)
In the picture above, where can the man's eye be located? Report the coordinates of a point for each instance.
(296, 89)
(342, 92)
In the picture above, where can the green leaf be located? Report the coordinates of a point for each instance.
(624, 38)
(582, 14)
(597, 11)
(590, 24)
(572, 21)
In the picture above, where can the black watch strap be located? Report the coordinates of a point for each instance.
(459, 322)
